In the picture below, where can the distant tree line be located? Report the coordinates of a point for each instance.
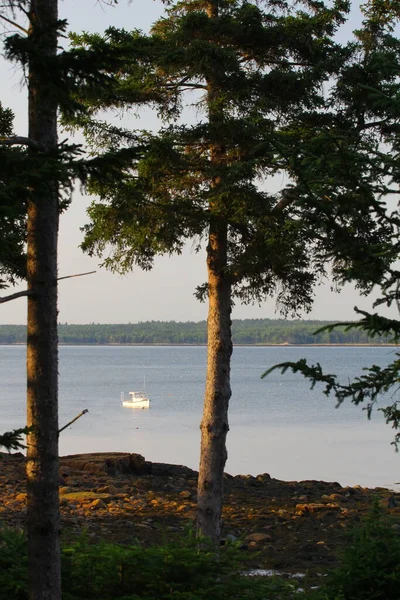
(248, 331)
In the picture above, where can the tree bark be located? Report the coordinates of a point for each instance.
(43, 521)
(214, 425)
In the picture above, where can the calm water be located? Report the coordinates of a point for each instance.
(277, 425)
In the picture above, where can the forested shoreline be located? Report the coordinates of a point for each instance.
(246, 332)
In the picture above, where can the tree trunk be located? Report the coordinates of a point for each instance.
(214, 425)
(42, 352)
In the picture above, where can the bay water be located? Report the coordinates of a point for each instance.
(277, 425)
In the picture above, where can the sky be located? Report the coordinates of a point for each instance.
(166, 292)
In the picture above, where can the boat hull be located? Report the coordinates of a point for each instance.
(136, 403)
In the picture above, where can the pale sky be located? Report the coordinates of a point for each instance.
(165, 293)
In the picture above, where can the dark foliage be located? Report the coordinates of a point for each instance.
(369, 95)
(176, 571)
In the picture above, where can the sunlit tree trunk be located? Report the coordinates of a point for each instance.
(214, 426)
(42, 355)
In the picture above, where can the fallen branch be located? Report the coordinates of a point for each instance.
(73, 420)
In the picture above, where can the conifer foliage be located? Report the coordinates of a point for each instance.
(12, 205)
(258, 76)
(38, 48)
(368, 94)
(34, 170)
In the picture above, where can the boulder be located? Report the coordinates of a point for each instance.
(110, 463)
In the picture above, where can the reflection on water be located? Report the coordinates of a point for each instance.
(277, 425)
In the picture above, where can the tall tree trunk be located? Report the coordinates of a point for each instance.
(42, 352)
(214, 425)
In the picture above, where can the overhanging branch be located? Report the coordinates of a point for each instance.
(77, 275)
(25, 293)
(14, 24)
(16, 295)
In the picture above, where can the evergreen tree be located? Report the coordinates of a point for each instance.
(368, 94)
(36, 200)
(12, 205)
(41, 216)
(256, 71)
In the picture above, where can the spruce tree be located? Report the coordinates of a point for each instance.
(39, 46)
(258, 75)
(33, 200)
(12, 205)
(367, 93)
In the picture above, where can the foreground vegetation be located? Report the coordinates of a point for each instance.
(185, 570)
(105, 571)
(248, 331)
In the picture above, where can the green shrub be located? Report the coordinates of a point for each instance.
(13, 565)
(174, 571)
(177, 571)
(370, 562)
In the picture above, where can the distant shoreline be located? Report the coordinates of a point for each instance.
(160, 345)
(246, 333)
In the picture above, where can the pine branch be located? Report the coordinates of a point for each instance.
(368, 387)
(12, 440)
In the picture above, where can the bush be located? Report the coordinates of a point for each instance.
(177, 571)
(13, 565)
(370, 562)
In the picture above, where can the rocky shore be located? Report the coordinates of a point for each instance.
(285, 525)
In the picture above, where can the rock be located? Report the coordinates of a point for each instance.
(315, 506)
(96, 504)
(264, 476)
(11, 456)
(111, 463)
(72, 483)
(337, 497)
(108, 489)
(165, 470)
(65, 490)
(258, 537)
(88, 500)
(185, 494)
(82, 496)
